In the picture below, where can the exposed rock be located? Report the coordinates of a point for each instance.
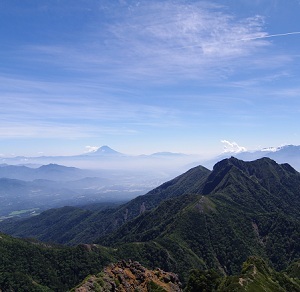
(126, 214)
(130, 276)
(142, 208)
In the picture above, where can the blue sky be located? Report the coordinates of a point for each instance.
(148, 76)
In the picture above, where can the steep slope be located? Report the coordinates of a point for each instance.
(270, 186)
(98, 223)
(240, 214)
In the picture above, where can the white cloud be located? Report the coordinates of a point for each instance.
(90, 149)
(232, 147)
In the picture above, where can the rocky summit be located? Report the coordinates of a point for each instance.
(127, 276)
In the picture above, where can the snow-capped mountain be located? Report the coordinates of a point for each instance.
(105, 151)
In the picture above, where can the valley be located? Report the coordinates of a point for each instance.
(26, 191)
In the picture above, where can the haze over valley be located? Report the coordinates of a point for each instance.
(26, 189)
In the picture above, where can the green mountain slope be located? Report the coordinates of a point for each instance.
(239, 215)
(73, 226)
(256, 276)
(32, 266)
(277, 185)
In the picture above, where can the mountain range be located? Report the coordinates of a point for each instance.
(106, 158)
(102, 154)
(47, 172)
(283, 154)
(29, 185)
(200, 220)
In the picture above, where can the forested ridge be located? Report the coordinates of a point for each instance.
(218, 224)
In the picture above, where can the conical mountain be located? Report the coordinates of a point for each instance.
(105, 151)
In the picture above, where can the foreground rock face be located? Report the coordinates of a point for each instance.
(127, 276)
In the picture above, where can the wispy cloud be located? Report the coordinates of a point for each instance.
(32, 108)
(192, 40)
(159, 41)
(50, 130)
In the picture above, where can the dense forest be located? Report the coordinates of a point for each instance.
(28, 265)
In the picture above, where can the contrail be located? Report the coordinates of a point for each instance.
(240, 40)
(271, 36)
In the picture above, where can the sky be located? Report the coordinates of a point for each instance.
(196, 77)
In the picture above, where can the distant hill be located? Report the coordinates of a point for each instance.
(24, 190)
(49, 172)
(27, 198)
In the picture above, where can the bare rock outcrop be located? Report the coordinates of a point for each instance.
(131, 276)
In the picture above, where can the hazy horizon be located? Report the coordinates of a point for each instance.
(229, 147)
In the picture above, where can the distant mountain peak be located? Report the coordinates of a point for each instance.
(279, 148)
(105, 148)
(105, 151)
(270, 149)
